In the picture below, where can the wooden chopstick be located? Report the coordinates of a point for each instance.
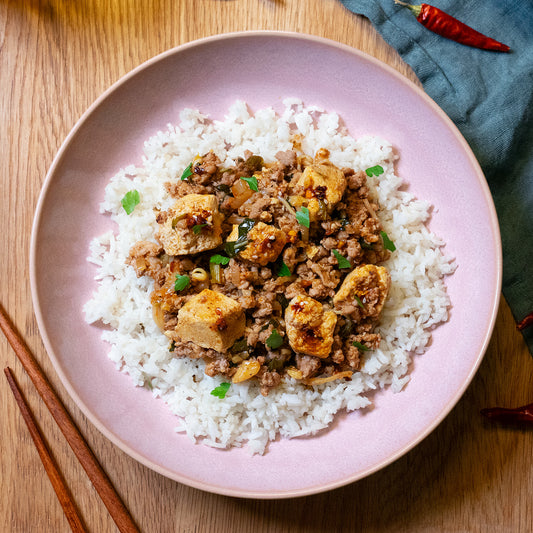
(61, 489)
(92, 467)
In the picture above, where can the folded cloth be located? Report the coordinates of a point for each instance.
(489, 96)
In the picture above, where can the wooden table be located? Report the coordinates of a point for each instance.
(56, 57)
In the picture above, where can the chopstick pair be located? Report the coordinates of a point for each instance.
(88, 460)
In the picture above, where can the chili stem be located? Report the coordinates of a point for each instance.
(415, 9)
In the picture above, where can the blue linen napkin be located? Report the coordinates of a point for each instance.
(489, 96)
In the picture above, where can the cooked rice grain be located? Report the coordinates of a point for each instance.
(417, 300)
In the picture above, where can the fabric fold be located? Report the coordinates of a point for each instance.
(489, 96)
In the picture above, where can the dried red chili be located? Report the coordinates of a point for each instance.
(445, 25)
(525, 322)
(501, 414)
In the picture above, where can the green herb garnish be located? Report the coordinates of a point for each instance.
(234, 247)
(284, 270)
(374, 171)
(343, 262)
(359, 302)
(252, 182)
(197, 228)
(240, 345)
(218, 259)
(302, 216)
(221, 390)
(387, 243)
(187, 173)
(275, 340)
(172, 346)
(130, 200)
(182, 282)
(360, 346)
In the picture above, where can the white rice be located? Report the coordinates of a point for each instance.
(417, 301)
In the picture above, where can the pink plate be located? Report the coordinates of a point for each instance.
(263, 68)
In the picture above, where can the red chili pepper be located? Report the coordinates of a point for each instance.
(439, 22)
(500, 414)
(525, 322)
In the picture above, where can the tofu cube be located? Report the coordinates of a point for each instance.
(319, 188)
(366, 286)
(309, 328)
(211, 320)
(265, 243)
(193, 224)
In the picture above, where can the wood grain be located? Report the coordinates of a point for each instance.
(56, 57)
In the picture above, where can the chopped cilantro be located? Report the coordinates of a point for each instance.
(197, 228)
(387, 243)
(284, 270)
(302, 216)
(187, 173)
(275, 340)
(130, 200)
(172, 346)
(252, 182)
(374, 171)
(218, 259)
(221, 390)
(182, 282)
(359, 302)
(360, 346)
(343, 262)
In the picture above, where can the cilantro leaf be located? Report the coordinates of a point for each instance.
(197, 228)
(187, 173)
(302, 216)
(130, 200)
(221, 390)
(343, 262)
(360, 346)
(284, 270)
(252, 182)
(387, 243)
(182, 282)
(374, 171)
(275, 340)
(218, 259)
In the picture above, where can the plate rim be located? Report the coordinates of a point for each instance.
(216, 488)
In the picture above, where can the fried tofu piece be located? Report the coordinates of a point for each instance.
(319, 188)
(265, 243)
(193, 224)
(366, 286)
(211, 320)
(309, 327)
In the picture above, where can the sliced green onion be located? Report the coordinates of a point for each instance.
(359, 302)
(360, 346)
(197, 228)
(216, 272)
